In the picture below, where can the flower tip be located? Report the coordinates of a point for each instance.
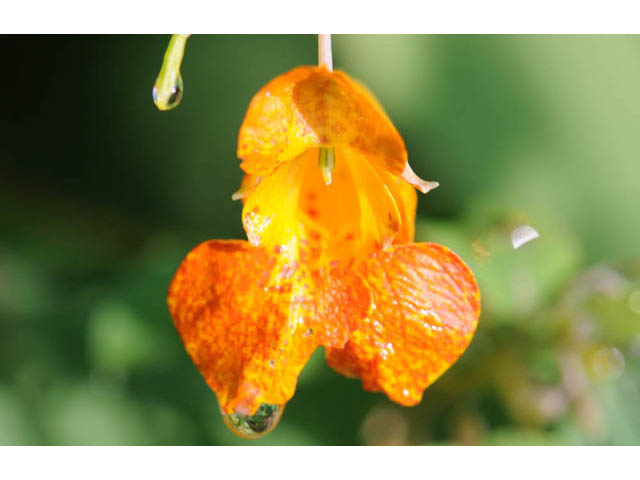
(426, 187)
(249, 182)
(238, 195)
(409, 176)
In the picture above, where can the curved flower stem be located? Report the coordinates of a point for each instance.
(325, 56)
(167, 89)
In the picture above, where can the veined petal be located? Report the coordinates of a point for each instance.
(380, 217)
(406, 199)
(311, 107)
(249, 318)
(270, 214)
(426, 309)
(353, 216)
(330, 214)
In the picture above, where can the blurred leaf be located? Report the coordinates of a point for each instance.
(566, 435)
(621, 402)
(82, 415)
(15, 427)
(512, 282)
(118, 340)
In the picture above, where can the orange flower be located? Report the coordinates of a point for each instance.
(330, 260)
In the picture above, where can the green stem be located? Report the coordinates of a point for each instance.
(167, 90)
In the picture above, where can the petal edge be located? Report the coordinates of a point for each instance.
(249, 318)
(427, 305)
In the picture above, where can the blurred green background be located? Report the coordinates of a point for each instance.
(102, 195)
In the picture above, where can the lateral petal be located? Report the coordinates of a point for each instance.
(270, 214)
(406, 199)
(249, 318)
(380, 217)
(426, 309)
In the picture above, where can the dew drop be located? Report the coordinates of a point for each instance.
(168, 88)
(254, 426)
(171, 96)
(523, 234)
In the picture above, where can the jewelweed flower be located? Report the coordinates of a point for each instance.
(329, 211)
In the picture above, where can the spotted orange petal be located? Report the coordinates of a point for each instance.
(270, 214)
(250, 319)
(312, 107)
(426, 310)
(355, 215)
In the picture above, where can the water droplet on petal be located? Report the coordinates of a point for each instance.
(257, 425)
(522, 235)
(171, 98)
